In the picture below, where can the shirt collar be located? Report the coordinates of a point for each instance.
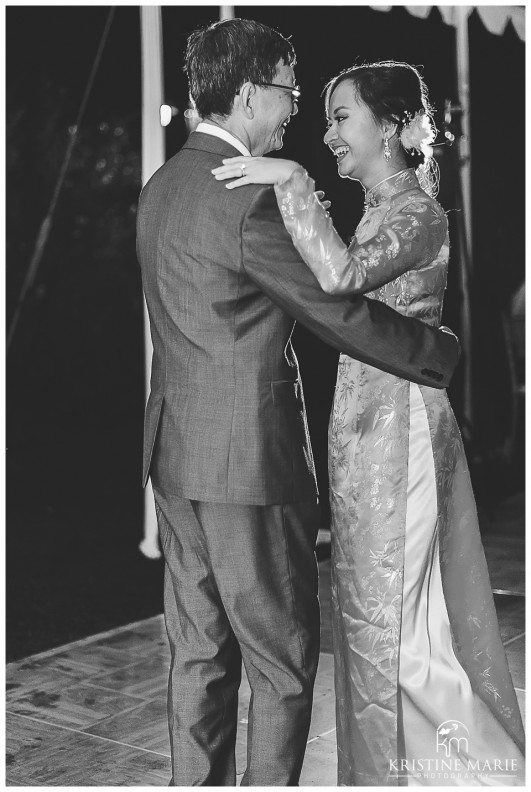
(210, 129)
(394, 184)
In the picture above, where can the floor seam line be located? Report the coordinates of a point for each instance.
(88, 677)
(117, 692)
(88, 734)
(86, 641)
(127, 711)
(514, 638)
(313, 739)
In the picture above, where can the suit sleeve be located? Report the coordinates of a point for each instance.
(409, 237)
(366, 330)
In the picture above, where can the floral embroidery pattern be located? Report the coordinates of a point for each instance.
(399, 255)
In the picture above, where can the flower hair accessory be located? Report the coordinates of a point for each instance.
(417, 133)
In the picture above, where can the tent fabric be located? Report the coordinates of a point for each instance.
(495, 18)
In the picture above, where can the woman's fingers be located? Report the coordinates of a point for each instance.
(231, 172)
(227, 172)
(319, 194)
(233, 164)
(239, 159)
(254, 170)
(233, 167)
(238, 183)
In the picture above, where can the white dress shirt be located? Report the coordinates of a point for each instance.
(210, 129)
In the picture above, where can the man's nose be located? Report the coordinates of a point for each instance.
(294, 108)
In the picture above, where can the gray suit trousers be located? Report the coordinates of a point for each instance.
(240, 582)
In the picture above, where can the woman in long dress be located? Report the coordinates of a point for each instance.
(424, 694)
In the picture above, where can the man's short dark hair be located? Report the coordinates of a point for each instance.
(222, 57)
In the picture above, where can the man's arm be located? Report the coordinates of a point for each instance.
(366, 330)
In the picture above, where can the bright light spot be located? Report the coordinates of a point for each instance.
(167, 112)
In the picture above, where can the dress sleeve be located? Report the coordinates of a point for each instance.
(367, 330)
(410, 236)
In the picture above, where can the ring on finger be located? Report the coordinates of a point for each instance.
(242, 166)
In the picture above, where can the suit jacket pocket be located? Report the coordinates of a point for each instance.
(284, 392)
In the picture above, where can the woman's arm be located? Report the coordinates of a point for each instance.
(409, 237)
(367, 330)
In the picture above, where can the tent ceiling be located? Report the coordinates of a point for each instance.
(495, 18)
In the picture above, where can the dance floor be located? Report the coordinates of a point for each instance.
(93, 713)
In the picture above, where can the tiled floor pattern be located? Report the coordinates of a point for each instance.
(93, 713)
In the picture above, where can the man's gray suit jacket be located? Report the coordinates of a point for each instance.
(225, 419)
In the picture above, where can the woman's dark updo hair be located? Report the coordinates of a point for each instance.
(393, 92)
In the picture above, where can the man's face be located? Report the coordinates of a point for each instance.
(274, 107)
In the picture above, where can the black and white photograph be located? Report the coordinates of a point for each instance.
(265, 395)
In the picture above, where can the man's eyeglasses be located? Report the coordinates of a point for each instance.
(295, 91)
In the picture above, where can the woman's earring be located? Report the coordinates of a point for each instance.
(387, 150)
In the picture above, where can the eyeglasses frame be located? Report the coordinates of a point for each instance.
(293, 89)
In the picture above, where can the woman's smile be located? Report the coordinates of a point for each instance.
(353, 135)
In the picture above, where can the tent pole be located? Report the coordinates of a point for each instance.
(153, 156)
(463, 89)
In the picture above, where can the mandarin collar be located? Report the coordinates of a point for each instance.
(392, 185)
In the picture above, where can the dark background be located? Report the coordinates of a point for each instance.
(75, 370)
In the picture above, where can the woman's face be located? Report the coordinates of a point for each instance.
(353, 136)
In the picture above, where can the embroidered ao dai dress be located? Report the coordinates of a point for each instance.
(424, 694)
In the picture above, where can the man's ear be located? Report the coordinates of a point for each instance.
(247, 94)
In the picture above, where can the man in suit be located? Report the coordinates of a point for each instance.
(226, 440)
